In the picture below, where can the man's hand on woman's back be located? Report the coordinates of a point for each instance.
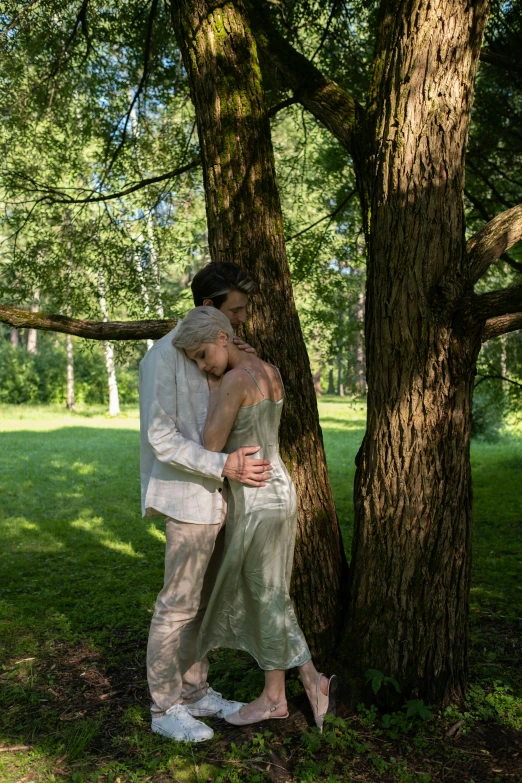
(243, 346)
(252, 472)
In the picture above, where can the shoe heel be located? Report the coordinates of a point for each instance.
(333, 684)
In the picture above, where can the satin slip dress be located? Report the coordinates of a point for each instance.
(250, 607)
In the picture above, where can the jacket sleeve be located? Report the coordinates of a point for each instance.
(158, 415)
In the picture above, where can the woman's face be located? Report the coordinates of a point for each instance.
(211, 357)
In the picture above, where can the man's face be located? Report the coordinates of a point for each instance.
(234, 307)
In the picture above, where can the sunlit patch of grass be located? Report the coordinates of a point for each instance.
(79, 577)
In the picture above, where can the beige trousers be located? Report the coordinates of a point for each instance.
(192, 558)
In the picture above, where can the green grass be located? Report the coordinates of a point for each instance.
(79, 577)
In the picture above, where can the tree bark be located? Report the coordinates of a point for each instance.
(412, 539)
(245, 225)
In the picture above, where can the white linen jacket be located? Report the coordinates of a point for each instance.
(179, 478)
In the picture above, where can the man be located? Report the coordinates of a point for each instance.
(183, 481)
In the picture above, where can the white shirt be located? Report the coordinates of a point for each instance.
(179, 478)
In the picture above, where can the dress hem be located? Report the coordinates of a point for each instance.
(244, 649)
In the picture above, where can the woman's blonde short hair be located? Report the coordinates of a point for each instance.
(201, 325)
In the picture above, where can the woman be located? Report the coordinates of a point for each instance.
(250, 608)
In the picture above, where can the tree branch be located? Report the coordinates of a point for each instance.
(330, 215)
(497, 378)
(91, 330)
(54, 196)
(141, 85)
(273, 110)
(497, 303)
(487, 56)
(495, 327)
(328, 102)
(497, 236)
(516, 265)
(64, 199)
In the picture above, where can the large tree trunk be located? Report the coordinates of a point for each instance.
(245, 225)
(412, 540)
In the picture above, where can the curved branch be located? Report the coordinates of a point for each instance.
(330, 215)
(91, 330)
(328, 102)
(487, 56)
(516, 265)
(280, 106)
(495, 327)
(125, 192)
(496, 303)
(497, 378)
(497, 236)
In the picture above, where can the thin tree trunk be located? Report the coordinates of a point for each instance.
(32, 334)
(331, 384)
(154, 265)
(145, 295)
(503, 362)
(114, 399)
(411, 547)
(360, 362)
(153, 255)
(340, 386)
(70, 402)
(245, 225)
(317, 383)
(14, 337)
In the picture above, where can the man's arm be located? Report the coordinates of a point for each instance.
(158, 403)
(158, 409)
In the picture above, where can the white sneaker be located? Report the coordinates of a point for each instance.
(177, 723)
(213, 703)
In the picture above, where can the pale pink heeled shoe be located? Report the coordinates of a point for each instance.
(324, 704)
(236, 720)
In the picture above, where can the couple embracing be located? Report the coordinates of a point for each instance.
(210, 411)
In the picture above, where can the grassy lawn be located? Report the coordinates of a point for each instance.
(79, 577)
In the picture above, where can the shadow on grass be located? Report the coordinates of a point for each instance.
(79, 576)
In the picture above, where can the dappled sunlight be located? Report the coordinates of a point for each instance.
(44, 418)
(21, 533)
(330, 423)
(96, 528)
(159, 535)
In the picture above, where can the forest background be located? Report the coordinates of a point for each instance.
(105, 219)
(84, 122)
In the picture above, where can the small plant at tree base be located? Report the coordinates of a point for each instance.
(377, 680)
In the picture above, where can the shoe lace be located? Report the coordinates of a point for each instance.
(217, 696)
(183, 715)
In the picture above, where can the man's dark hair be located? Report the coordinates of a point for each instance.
(216, 280)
